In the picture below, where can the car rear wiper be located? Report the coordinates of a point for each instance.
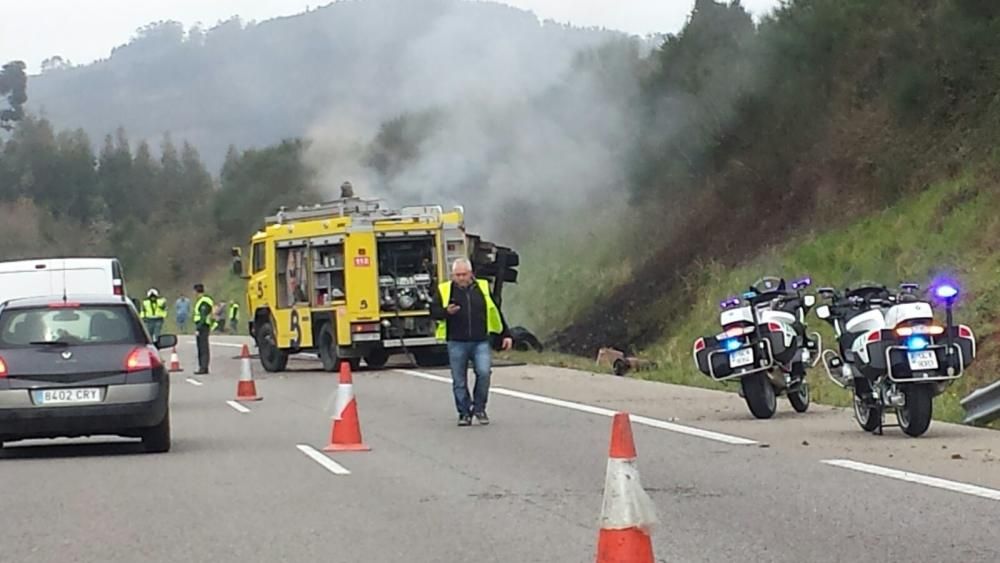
(49, 343)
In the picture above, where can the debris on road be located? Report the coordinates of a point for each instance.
(524, 340)
(620, 363)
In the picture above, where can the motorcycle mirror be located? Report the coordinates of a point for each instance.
(826, 291)
(823, 312)
(809, 300)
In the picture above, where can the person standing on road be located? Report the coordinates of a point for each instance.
(234, 316)
(204, 322)
(182, 310)
(154, 313)
(467, 316)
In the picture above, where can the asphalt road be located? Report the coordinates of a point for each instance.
(237, 486)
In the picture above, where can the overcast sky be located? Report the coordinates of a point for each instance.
(85, 30)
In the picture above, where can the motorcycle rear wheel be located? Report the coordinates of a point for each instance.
(759, 395)
(915, 416)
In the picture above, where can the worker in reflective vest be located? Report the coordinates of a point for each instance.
(204, 323)
(234, 316)
(467, 317)
(154, 313)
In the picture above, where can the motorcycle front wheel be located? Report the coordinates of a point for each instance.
(867, 416)
(798, 396)
(915, 416)
(759, 395)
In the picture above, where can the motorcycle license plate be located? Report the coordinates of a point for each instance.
(741, 358)
(923, 361)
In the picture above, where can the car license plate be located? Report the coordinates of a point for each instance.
(741, 358)
(923, 361)
(76, 396)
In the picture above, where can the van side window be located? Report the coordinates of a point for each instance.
(259, 257)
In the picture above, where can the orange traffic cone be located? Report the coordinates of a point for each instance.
(175, 362)
(628, 512)
(246, 389)
(345, 435)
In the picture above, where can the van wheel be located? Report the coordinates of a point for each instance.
(157, 439)
(328, 349)
(273, 359)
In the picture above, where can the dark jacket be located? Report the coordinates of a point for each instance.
(469, 323)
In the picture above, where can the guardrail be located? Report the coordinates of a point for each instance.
(982, 406)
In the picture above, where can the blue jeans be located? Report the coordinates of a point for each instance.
(154, 327)
(459, 354)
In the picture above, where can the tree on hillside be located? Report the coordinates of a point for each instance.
(696, 83)
(13, 85)
(257, 182)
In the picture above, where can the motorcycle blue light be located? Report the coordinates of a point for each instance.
(946, 291)
(917, 343)
(732, 344)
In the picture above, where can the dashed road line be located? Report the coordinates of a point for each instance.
(644, 420)
(238, 407)
(326, 462)
(194, 382)
(954, 486)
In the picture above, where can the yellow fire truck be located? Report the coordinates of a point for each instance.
(350, 280)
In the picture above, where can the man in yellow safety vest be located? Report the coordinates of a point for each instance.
(154, 313)
(467, 316)
(204, 323)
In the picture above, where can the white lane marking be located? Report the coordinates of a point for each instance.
(238, 407)
(194, 382)
(425, 375)
(321, 459)
(644, 420)
(937, 482)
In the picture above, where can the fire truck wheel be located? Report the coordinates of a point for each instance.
(328, 349)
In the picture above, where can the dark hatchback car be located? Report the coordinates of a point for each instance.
(81, 366)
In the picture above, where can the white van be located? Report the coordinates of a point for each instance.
(53, 276)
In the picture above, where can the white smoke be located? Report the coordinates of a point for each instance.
(526, 136)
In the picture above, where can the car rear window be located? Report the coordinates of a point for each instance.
(86, 324)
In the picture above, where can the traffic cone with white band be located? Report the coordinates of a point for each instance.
(345, 435)
(628, 512)
(246, 389)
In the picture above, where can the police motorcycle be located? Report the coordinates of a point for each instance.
(764, 344)
(892, 353)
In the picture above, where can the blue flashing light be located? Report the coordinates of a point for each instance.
(915, 343)
(946, 291)
(732, 344)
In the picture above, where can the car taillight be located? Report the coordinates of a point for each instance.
(116, 288)
(699, 345)
(141, 359)
(364, 327)
(3, 367)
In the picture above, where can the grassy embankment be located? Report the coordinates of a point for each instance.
(951, 228)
